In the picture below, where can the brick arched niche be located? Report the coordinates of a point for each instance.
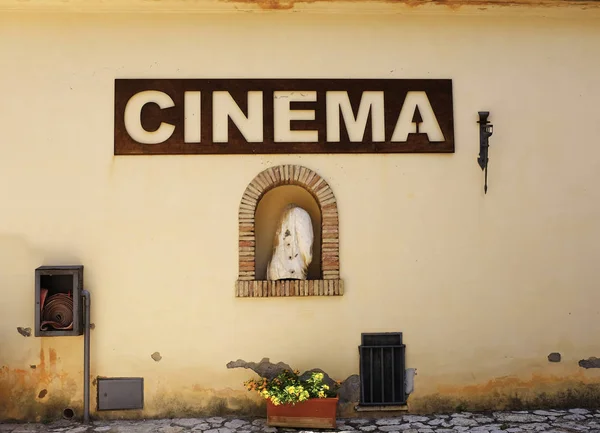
(330, 283)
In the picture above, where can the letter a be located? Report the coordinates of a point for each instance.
(405, 124)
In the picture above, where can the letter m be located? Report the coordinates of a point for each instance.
(370, 102)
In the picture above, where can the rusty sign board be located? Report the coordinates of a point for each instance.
(260, 116)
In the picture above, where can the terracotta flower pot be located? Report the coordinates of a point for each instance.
(314, 413)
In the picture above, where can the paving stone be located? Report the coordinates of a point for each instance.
(187, 422)
(414, 418)
(103, 428)
(358, 421)
(483, 419)
(389, 421)
(235, 423)
(463, 422)
(26, 428)
(518, 417)
(367, 428)
(480, 429)
(544, 413)
(574, 417)
(436, 421)
(537, 426)
(4, 428)
(171, 429)
(419, 425)
(571, 425)
(79, 429)
(216, 420)
(202, 426)
(579, 411)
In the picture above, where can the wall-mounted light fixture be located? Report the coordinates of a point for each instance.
(485, 132)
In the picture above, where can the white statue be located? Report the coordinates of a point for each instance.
(292, 246)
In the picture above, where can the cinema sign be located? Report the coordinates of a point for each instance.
(253, 116)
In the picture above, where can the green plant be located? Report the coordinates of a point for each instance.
(288, 388)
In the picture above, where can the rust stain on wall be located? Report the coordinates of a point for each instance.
(36, 394)
(452, 4)
(512, 393)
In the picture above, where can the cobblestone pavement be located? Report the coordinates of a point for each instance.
(568, 421)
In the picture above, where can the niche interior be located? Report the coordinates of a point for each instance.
(324, 275)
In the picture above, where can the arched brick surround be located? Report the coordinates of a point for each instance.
(330, 284)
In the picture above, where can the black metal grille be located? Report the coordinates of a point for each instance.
(382, 369)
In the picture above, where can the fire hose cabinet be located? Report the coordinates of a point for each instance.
(58, 301)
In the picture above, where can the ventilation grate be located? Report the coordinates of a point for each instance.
(382, 369)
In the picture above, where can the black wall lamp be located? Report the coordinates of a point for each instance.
(485, 132)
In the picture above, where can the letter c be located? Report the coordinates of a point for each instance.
(133, 117)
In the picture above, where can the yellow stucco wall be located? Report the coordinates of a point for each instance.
(483, 288)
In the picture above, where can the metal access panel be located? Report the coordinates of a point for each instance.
(120, 393)
(382, 377)
(58, 301)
